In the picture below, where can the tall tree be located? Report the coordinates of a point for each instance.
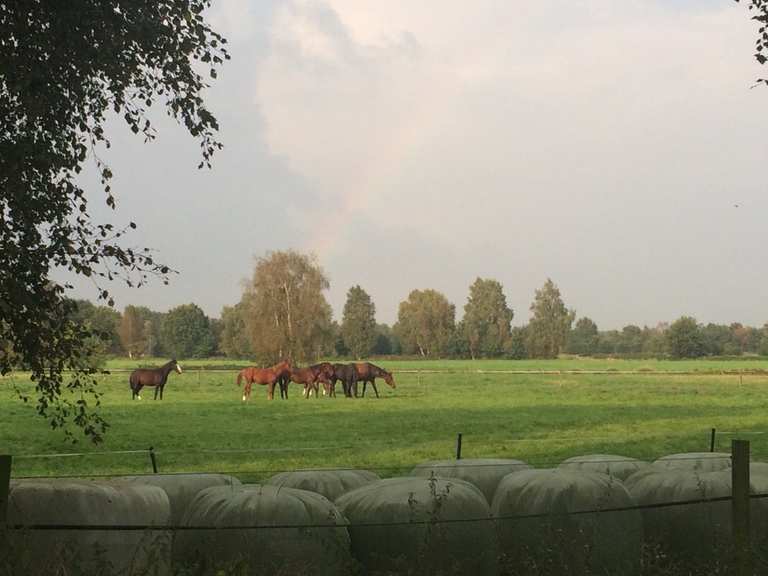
(426, 323)
(288, 315)
(102, 321)
(583, 339)
(358, 324)
(234, 339)
(65, 68)
(516, 345)
(548, 329)
(187, 332)
(487, 318)
(684, 338)
(132, 330)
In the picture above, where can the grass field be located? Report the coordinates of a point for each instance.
(202, 425)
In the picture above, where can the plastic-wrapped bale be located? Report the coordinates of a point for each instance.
(329, 483)
(621, 467)
(485, 473)
(758, 469)
(421, 526)
(261, 529)
(545, 519)
(698, 461)
(182, 488)
(53, 502)
(690, 532)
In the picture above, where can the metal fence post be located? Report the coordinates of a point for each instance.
(153, 458)
(458, 447)
(740, 504)
(5, 487)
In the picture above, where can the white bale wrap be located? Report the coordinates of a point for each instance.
(621, 467)
(537, 527)
(82, 502)
(485, 473)
(182, 488)
(691, 532)
(421, 526)
(329, 483)
(263, 530)
(698, 461)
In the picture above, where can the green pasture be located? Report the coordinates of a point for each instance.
(541, 418)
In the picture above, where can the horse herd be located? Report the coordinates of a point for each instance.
(281, 374)
(325, 373)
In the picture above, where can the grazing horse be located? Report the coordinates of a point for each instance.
(265, 376)
(151, 377)
(348, 376)
(311, 375)
(367, 372)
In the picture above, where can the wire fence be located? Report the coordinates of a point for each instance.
(414, 522)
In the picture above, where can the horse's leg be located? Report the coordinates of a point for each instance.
(270, 390)
(157, 389)
(138, 390)
(373, 383)
(162, 389)
(365, 385)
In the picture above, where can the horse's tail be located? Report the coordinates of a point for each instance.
(240, 377)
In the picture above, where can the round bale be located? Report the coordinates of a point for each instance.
(698, 461)
(61, 502)
(329, 483)
(421, 526)
(620, 467)
(695, 532)
(260, 529)
(485, 473)
(567, 519)
(182, 488)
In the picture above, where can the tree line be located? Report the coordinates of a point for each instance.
(283, 312)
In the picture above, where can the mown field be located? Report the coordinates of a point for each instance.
(542, 418)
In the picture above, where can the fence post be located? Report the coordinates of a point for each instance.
(712, 440)
(740, 504)
(153, 458)
(458, 447)
(5, 487)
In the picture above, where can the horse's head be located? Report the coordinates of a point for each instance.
(388, 378)
(176, 365)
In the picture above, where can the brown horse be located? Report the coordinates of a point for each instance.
(348, 376)
(156, 377)
(311, 375)
(367, 372)
(264, 376)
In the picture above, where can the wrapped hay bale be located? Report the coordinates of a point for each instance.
(621, 467)
(259, 529)
(329, 483)
(485, 473)
(421, 526)
(692, 533)
(76, 551)
(545, 518)
(698, 461)
(182, 488)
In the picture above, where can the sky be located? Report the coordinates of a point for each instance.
(617, 148)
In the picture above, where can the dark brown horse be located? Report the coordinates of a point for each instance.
(367, 372)
(264, 376)
(311, 376)
(151, 377)
(347, 374)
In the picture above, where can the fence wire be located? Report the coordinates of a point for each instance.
(429, 522)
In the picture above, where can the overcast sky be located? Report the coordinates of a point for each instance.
(614, 146)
